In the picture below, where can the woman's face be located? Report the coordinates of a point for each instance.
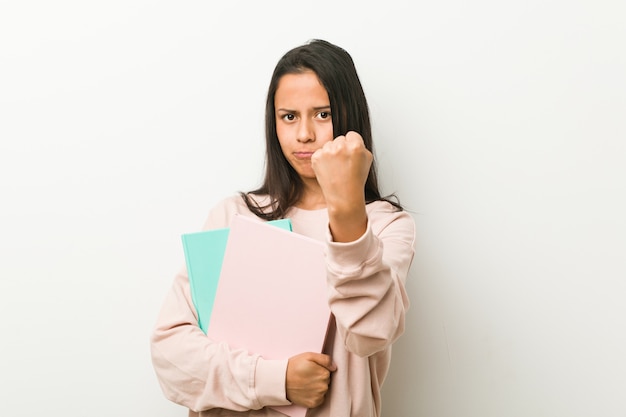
(303, 119)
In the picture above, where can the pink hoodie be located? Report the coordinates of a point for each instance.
(367, 298)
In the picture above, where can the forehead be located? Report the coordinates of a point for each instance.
(300, 89)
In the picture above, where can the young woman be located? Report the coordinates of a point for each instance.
(320, 173)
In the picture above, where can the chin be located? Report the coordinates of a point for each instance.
(307, 176)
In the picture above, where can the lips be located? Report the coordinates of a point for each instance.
(303, 154)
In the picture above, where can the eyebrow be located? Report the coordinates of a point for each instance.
(314, 108)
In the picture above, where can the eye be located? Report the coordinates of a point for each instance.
(288, 117)
(323, 115)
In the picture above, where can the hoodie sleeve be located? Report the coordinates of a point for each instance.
(367, 280)
(201, 374)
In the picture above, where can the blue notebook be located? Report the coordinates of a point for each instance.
(204, 252)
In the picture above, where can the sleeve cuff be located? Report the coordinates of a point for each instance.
(269, 382)
(352, 255)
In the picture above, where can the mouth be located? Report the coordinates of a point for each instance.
(303, 155)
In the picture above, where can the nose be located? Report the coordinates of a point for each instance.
(305, 133)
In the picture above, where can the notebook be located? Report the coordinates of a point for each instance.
(204, 252)
(271, 297)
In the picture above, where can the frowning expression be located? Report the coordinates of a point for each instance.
(303, 119)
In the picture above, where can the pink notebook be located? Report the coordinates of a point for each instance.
(271, 298)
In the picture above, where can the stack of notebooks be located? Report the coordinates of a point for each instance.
(260, 287)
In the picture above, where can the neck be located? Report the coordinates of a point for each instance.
(312, 197)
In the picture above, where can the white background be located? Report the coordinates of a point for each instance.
(501, 126)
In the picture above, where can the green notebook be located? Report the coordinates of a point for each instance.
(204, 252)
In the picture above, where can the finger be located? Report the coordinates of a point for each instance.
(316, 156)
(353, 136)
(324, 361)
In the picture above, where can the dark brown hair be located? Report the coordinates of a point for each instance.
(336, 71)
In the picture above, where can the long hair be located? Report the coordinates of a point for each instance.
(336, 71)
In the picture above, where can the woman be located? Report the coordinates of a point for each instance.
(320, 173)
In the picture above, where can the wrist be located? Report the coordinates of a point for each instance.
(347, 225)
